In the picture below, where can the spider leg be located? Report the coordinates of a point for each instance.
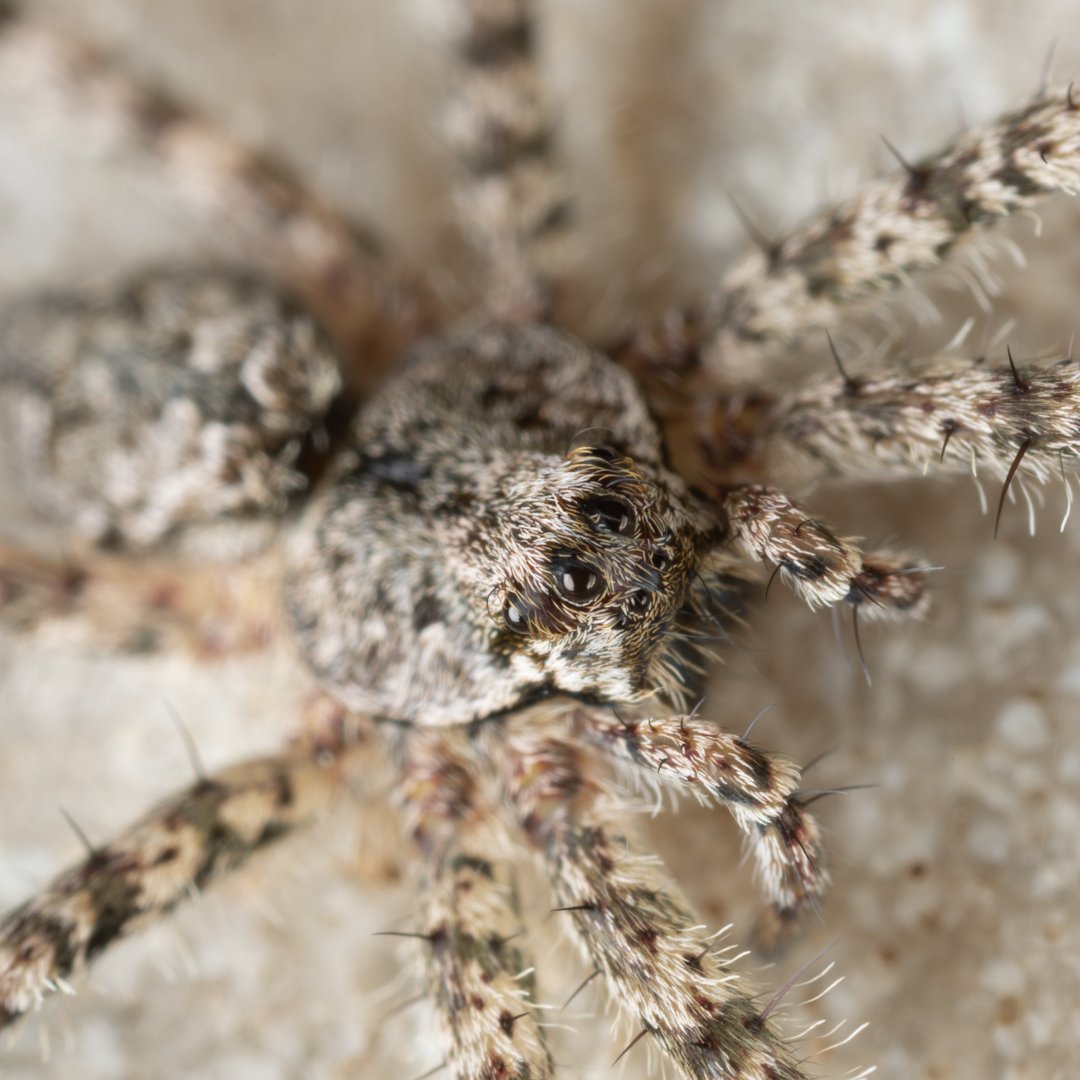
(334, 264)
(893, 228)
(819, 566)
(633, 924)
(176, 850)
(760, 790)
(951, 415)
(479, 977)
(119, 605)
(512, 199)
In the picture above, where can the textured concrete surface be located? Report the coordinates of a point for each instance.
(954, 911)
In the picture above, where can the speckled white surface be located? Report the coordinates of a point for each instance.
(955, 909)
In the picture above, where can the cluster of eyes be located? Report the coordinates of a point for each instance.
(578, 582)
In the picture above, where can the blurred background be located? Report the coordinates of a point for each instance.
(954, 909)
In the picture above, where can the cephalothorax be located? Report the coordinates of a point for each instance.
(493, 572)
(548, 546)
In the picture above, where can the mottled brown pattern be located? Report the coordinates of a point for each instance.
(501, 528)
(163, 408)
(896, 227)
(480, 976)
(632, 924)
(176, 850)
(821, 567)
(108, 604)
(557, 554)
(948, 415)
(511, 196)
(761, 791)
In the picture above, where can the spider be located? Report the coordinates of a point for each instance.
(648, 361)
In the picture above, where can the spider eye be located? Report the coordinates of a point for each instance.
(604, 452)
(638, 601)
(514, 615)
(609, 513)
(576, 581)
(661, 560)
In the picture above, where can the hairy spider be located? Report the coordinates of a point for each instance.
(571, 558)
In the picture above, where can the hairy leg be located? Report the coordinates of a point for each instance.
(633, 924)
(894, 228)
(760, 790)
(177, 849)
(952, 415)
(512, 198)
(480, 979)
(891, 229)
(820, 567)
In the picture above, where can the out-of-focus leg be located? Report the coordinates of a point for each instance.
(479, 976)
(120, 605)
(180, 847)
(511, 195)
(334, 264)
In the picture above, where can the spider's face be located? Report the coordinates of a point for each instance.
(601, 551)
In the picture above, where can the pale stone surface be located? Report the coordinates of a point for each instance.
(956, 879)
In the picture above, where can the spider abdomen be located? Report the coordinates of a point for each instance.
(166, 406)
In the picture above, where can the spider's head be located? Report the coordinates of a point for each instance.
(598, 557)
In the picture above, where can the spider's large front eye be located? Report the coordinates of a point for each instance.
(514, 615)
(609, 513)
(575, 580)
